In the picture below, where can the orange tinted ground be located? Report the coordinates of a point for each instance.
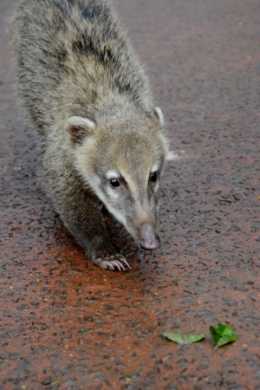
(64, 323)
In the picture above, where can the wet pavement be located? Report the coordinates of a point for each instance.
(66, 324)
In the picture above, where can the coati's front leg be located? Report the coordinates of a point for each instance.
(98, 244)
(84, 220)
(81, 212)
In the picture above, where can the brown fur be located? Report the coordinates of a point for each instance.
(88, 96)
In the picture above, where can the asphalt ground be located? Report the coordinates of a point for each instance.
(66, 324)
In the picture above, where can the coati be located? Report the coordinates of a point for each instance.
(103, 141)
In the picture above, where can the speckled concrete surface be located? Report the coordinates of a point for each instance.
(65, 324)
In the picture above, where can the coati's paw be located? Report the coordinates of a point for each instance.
(113, 262)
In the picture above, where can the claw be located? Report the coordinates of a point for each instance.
(119, 265)
(108, 265)
(121, 258)
(113, 262)
(124, 260)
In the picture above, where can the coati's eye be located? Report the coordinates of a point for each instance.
(153, 177)
(114, 183)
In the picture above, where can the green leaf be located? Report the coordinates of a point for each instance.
(222, 335)
(183, 338)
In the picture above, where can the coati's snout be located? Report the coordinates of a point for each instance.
(150, 239)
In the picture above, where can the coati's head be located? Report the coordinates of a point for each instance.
(122, 163)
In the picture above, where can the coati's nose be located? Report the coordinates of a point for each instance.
(150, 239)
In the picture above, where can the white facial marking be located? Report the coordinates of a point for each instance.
(80, 121)
(117, 215)
(155, 168)
(112, 174)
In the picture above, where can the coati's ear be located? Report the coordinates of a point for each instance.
(159, 115)
(79, 128)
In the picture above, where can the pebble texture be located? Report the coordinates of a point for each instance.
(66, 324)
